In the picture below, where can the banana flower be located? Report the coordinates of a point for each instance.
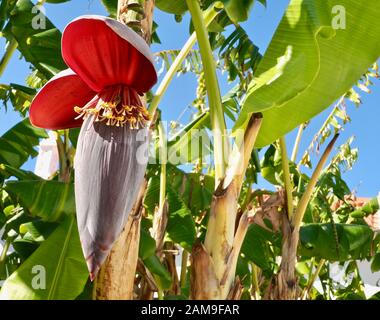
(110, 67)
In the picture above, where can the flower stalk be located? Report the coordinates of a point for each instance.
(184, 260)
(122, 262)
(287, 287)
(221, 144)
(213, 265)
(312, 279)
(163, 159)
(287, 180)
(302, 205)
(255, 292)
(296, 146)
(160, 218)
(4, 252)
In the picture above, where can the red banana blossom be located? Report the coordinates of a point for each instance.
(110, 67)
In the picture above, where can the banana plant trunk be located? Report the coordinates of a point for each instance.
(213, 263)
(286, 285)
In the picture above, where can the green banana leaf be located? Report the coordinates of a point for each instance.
(311, 62)
(39, 46)
(337, 242)
(20, 96)
(55, 271)
(31, 235)
(147, 253)
(111, 6)
(177, 7)
(3, 13)
(37, 230)
(181, 147)
(8, 171)
(49, 200)
(147, 245)
(256, 247)
(196, 189)
(181, 225)
(18, 143)
(237, 10)
(161, 274)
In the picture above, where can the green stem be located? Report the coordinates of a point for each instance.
(185, 256)
(160, 294)
(163, 158)
(61, 153)
(323, 127)
(5, 250)
(302, 205)
(255, 281)
(209, 17)
(310, 284)
(11, 48)
(66, 140)
(247, 199)
(287, 180)
(3, 256)
(62, 146)
(218, 125)
(297, 142)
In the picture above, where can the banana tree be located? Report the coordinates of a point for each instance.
(235, 239)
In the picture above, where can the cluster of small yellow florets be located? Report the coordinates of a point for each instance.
(116, 114)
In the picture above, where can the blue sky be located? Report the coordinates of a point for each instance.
(364, 178)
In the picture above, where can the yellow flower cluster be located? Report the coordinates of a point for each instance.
(116, 114)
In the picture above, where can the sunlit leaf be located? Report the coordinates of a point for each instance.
(49, 200)
(311, 61)
(55, 271)
(18, 143)
(319, 240)
(178, 7)
(38, 39)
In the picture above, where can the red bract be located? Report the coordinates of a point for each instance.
(110, 67)
(102, 54)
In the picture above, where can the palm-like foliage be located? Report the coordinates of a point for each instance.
(289, 84)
